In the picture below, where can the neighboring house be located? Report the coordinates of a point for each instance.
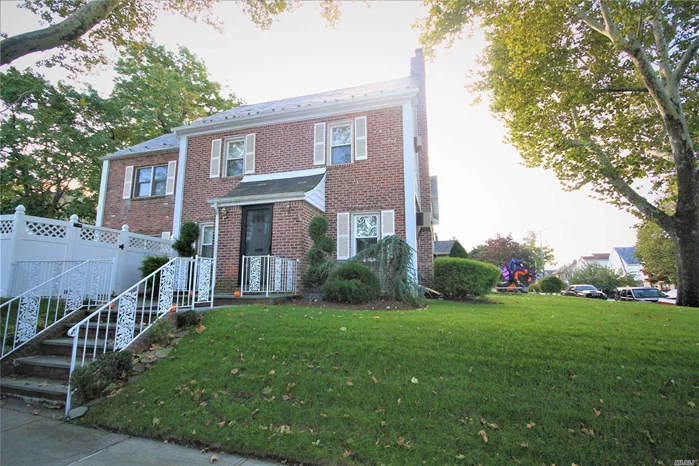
(565, 272)
(443, 248)
(624, 259)
(600, 258)
(254, 176)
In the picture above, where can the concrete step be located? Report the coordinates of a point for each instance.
(94, 329)
(44, 366)
(64, 346)
(34, 387)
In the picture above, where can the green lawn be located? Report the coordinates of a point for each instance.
(555, 380)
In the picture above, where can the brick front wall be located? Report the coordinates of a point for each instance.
(147, 216)
(368, 185)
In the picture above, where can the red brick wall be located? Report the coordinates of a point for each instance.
(147, 216)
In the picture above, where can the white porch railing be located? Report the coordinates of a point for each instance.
(48, 302)
(179, 284)
(265, 275)
(27, 273)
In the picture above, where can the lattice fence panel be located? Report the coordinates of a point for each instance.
(100, 236)
(46, 229)
(149, 245)
(6, 227)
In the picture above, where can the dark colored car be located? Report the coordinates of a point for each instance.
(640, 294)
(584, 291)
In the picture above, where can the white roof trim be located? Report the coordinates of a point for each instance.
(283, 175)
(305, 113)
(140, 154)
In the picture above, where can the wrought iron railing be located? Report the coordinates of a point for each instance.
(265, 275)
(179, 284)
(86, 285)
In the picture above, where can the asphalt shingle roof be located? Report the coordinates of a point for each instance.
(164, 142)
(300, 184)
(443, 247)
(628, 255)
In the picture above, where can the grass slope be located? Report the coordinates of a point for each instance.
(565, 380)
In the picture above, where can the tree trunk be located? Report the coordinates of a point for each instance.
(688, 263)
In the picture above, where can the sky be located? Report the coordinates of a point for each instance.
(484, 189)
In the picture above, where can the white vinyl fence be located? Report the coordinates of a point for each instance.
(26, 242)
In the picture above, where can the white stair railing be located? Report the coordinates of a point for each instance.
(46, 303)
(179, 284)
(265, 275)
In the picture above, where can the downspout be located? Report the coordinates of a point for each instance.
(179, 191)
(103, 193)
(216, 227)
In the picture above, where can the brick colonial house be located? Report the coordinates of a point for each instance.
(253, 177)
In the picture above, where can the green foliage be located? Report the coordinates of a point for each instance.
(501, 249)
(319, 256)
(150, 264)
(187, 319)
(50, 139)
(550, 284)
(90, 380)
(162, 332)
(603, 278)
(184, 244)
(657, 252)
(531, 242)
(391, 258)
(458, 251)
(534, 288)
(461, 278)
(352, 283)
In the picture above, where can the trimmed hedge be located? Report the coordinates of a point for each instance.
(551, 284)
(459, 278)
(352, 283)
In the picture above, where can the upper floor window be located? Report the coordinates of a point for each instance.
(151, 181)
(340, 143)
(235, 151)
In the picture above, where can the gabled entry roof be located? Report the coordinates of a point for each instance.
(308, 185)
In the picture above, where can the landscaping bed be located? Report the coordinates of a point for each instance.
(543, 379)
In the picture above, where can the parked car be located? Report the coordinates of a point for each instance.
(584, 291)
(670, 298)
(640, 294)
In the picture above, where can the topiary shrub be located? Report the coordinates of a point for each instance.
(187, 319)
(184, 244)
(161, 333)
(352, 283)
(460, 278)
(90, 380)
(457, 250)
(320, 264)
(551, 284)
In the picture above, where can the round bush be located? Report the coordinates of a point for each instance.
(534, 287)
(551, 284)
(352, 283)
(187, 319)
(459, 278)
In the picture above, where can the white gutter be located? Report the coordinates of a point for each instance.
(103, 193)
(409, 180)
(179, 188)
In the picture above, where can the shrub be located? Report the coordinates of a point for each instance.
(161, 333)
(459, 278)
(187, 319)
(150, 264)
(551, 284)
(184, 244)
(90, 380)
(457, 250)
(320, 264)
(601, 277)
(352, 283)
(534, 287)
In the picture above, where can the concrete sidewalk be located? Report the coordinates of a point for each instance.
(43, 439)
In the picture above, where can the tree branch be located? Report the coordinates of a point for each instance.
(71, 28)
(685, 60)
(661, 44)
(691, 78)
(639, 90)
(592, 23)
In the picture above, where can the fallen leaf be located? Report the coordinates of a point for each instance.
(398, 402)
(156, 421)
(221, 424)
(524, 445)
(691, 404)
(484, 436)
(323, 415)
(493, 425)
(213, 458)
(272, 372)
(44, 384)
(201, 329)
(414, 380)
(638, 394)
(234, 371)
(598, 412)
(374, 379)
(343, 329)
(460, 457)
(194, 432)
(35, 412)
(267, 390)
(483, 421)
(530, 425)
(349, 383)
(346, 453)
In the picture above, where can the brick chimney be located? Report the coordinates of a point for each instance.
(417, 67)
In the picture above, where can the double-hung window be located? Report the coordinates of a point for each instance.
(151, 181)
(340, 143)
(206, 246)
(366, 231)
(235, 151)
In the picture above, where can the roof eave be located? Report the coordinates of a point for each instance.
(320, 110)
(139, 154)
(257, 199)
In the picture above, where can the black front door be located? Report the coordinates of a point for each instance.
(256, 241)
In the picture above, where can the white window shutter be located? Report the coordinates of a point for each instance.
(171, 175)
(215, 168)
(319, 144)
(343, 236)
(388, 223)
(360, 145)
(249, 153)
(128, 181)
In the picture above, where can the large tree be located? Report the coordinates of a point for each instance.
(499, 250)
(656, 251)
(605, 94)
(543, 255)
(80, 30)
(159, 90)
